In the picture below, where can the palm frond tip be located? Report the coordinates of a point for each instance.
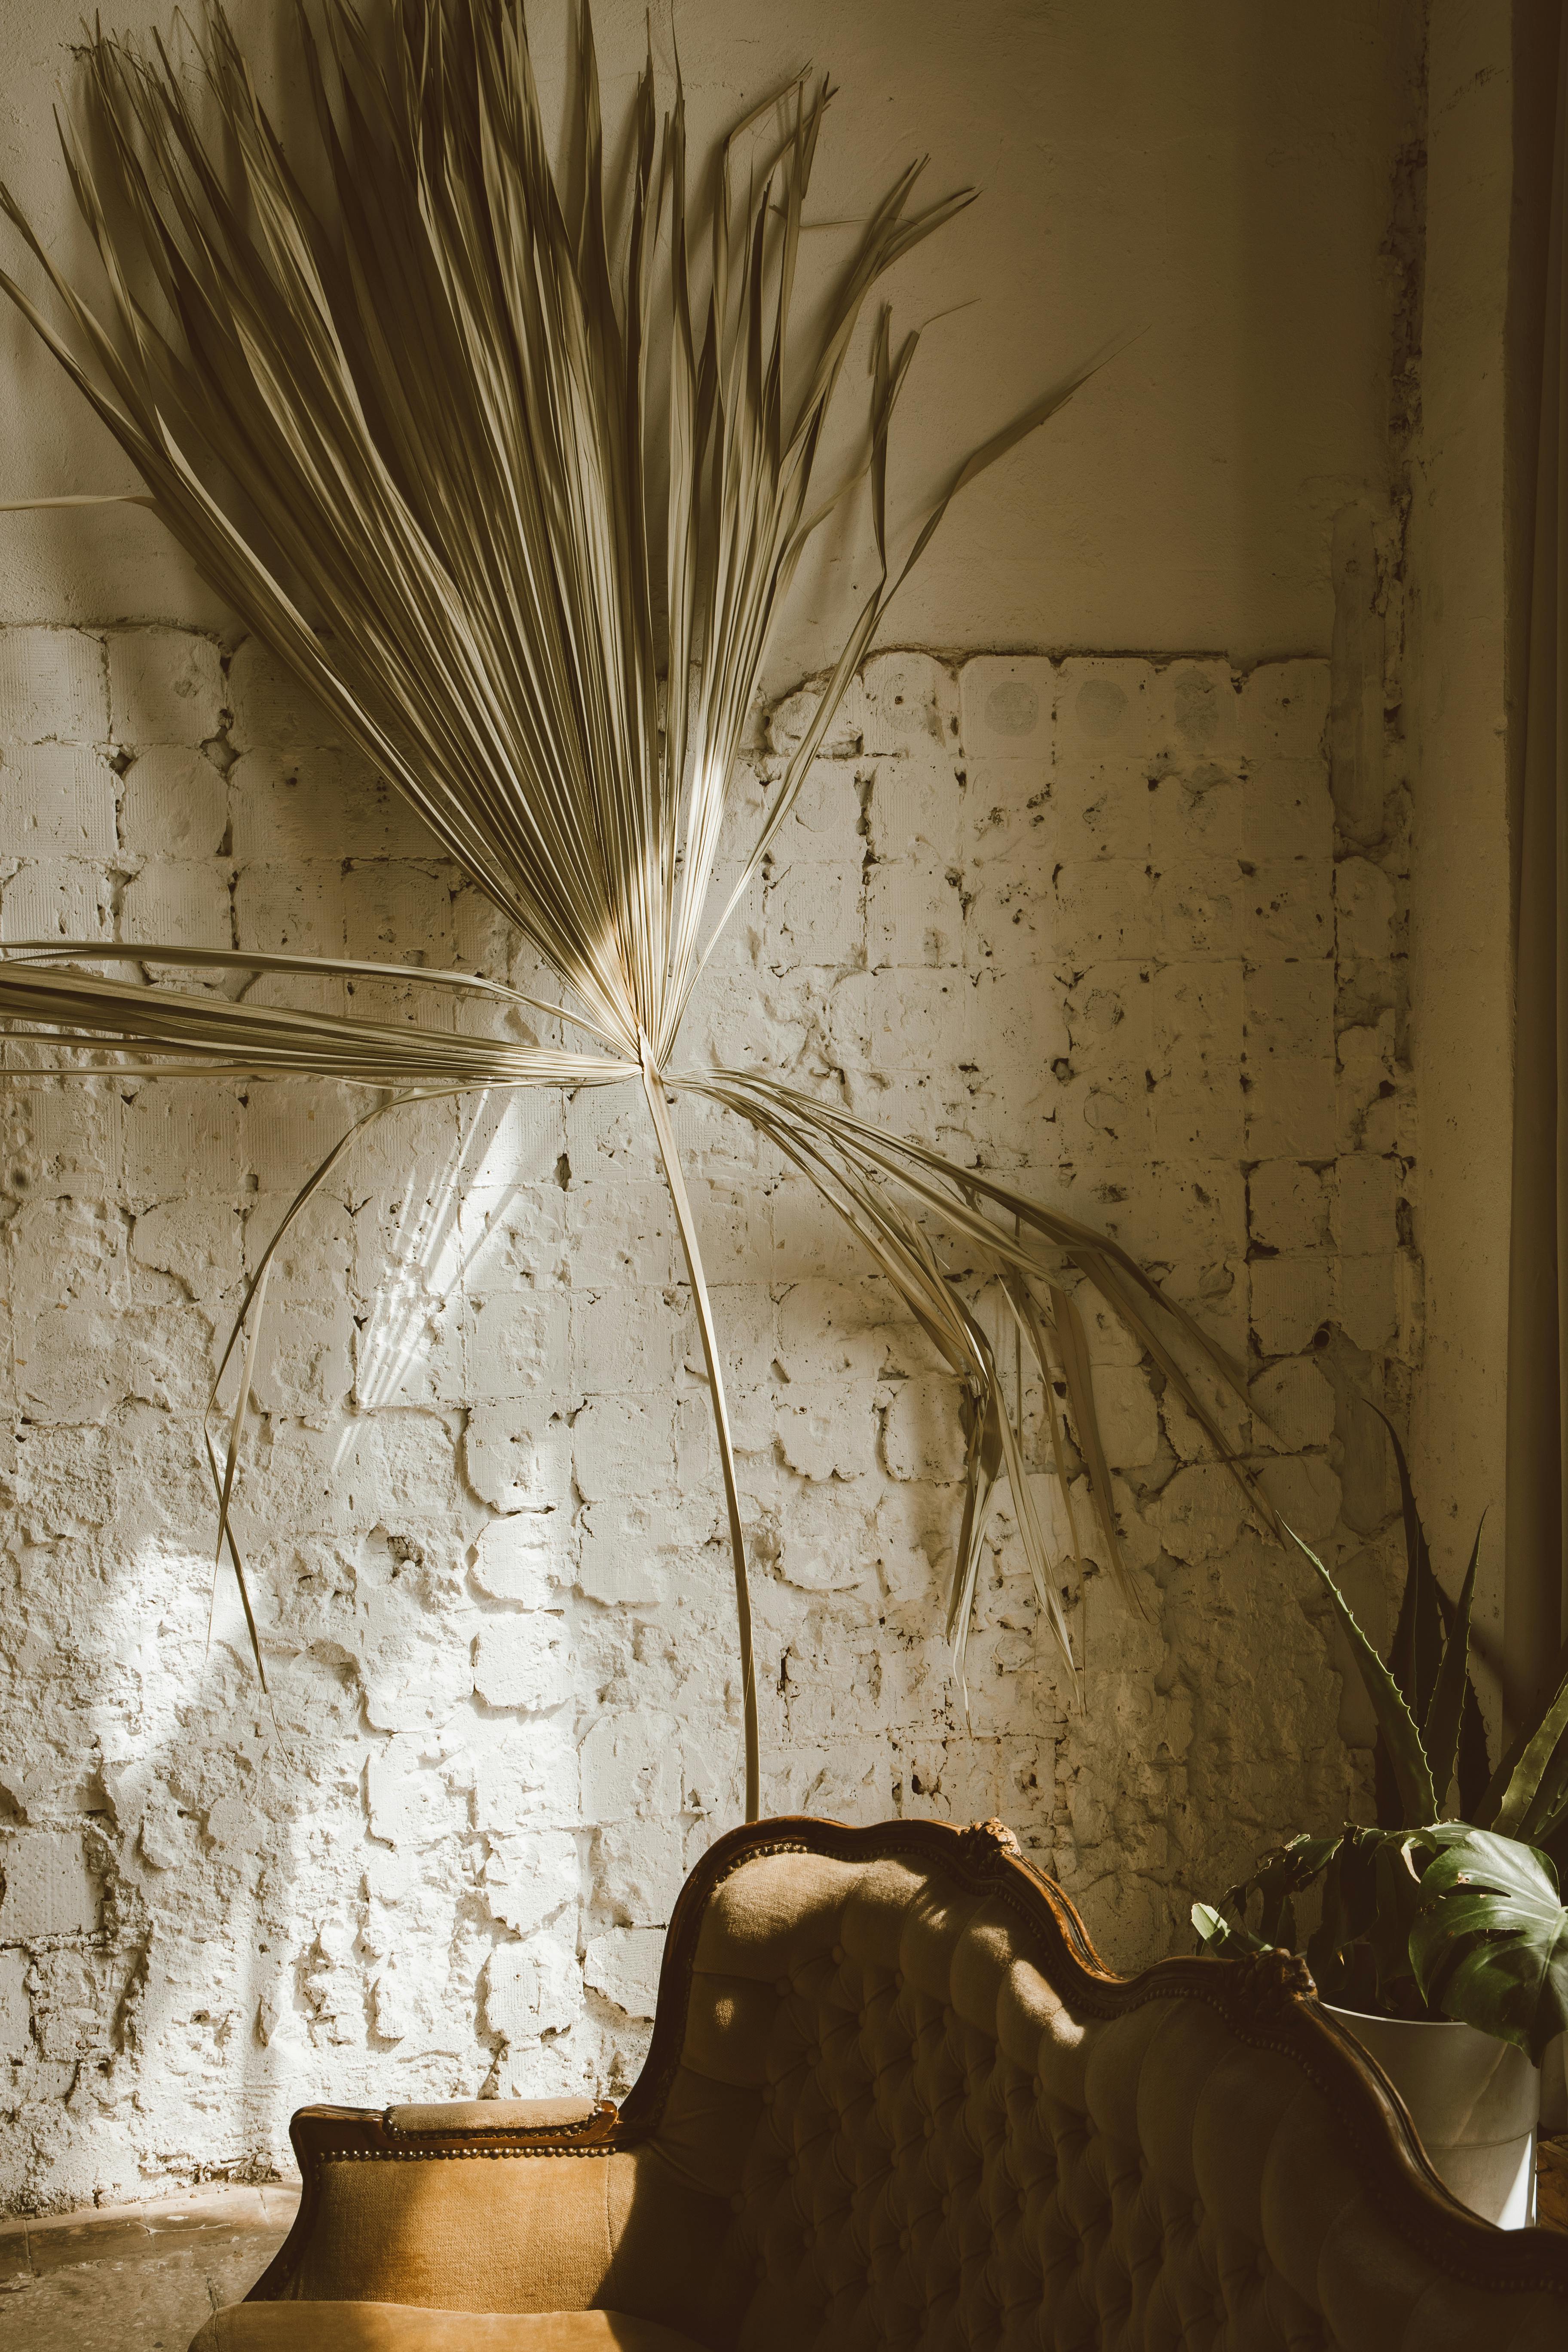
(517, 488)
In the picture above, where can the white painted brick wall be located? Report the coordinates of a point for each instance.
(1080, 920)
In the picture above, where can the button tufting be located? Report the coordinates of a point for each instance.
(737, 2203)
(931, 2126)
(1023, 2200)
(767, 2095)
(793, 2166)
(783, 1985)
(838, 1955)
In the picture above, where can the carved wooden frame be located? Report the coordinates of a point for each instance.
(1269, 2002)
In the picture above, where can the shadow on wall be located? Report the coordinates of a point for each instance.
(183, 1958)
(1073, 916)
(1317, 261)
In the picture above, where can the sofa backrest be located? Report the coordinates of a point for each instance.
(896, 2101)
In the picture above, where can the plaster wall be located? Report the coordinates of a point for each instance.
(1462, 918)
(1104, 919)
(1084, 919)
(1212, 181)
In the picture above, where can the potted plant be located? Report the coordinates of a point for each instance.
(1442, 1940)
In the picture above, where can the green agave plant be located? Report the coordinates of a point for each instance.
(516, 485)
(1424, 1915)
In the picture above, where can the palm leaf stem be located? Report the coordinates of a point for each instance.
(653, 1088)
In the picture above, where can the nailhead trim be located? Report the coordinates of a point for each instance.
(448, 2155)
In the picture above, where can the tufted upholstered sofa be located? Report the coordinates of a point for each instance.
(894, 2103)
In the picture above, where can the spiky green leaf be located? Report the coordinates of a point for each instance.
(1394, 1720)
(1440, 1731)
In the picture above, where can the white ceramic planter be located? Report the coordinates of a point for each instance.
(1475, 2102)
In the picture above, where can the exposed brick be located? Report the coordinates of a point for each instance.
(1104, 706)
(1364, 909)
(16, 2008)
(624, 1966)
(1289, 1205)
(1296, 1401)
(1285, 709)
(183, 904)
(49, 1889)
(1094, 945)
(1008, 706)
(57, 800)
(1290, 1302)
(165, 686)
(53, 687)
(175, 804)
(56, 899)
(532, 1990)
(271, 709)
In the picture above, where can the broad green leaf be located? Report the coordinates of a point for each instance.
(1396, 1879)
(1359, 1951)
(1489, 1944)
(1394, 1720)
(1276, 1878)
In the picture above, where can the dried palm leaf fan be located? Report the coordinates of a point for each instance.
(452, 465)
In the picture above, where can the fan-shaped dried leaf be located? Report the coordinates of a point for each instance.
(516, 489)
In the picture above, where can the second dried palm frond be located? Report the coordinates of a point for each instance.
(516, 487)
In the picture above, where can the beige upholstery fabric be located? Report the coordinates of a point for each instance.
(887, 2133)
(514, 2234)
(395, 2327)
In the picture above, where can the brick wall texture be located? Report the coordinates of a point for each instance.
(1084, 919)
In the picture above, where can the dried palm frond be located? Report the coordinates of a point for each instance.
(522, 515)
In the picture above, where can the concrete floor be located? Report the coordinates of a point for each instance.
(136, 2278)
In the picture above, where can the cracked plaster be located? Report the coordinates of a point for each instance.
(1090, 921)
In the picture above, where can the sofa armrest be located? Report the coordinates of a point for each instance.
(496, 2118)
(479, 2205)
